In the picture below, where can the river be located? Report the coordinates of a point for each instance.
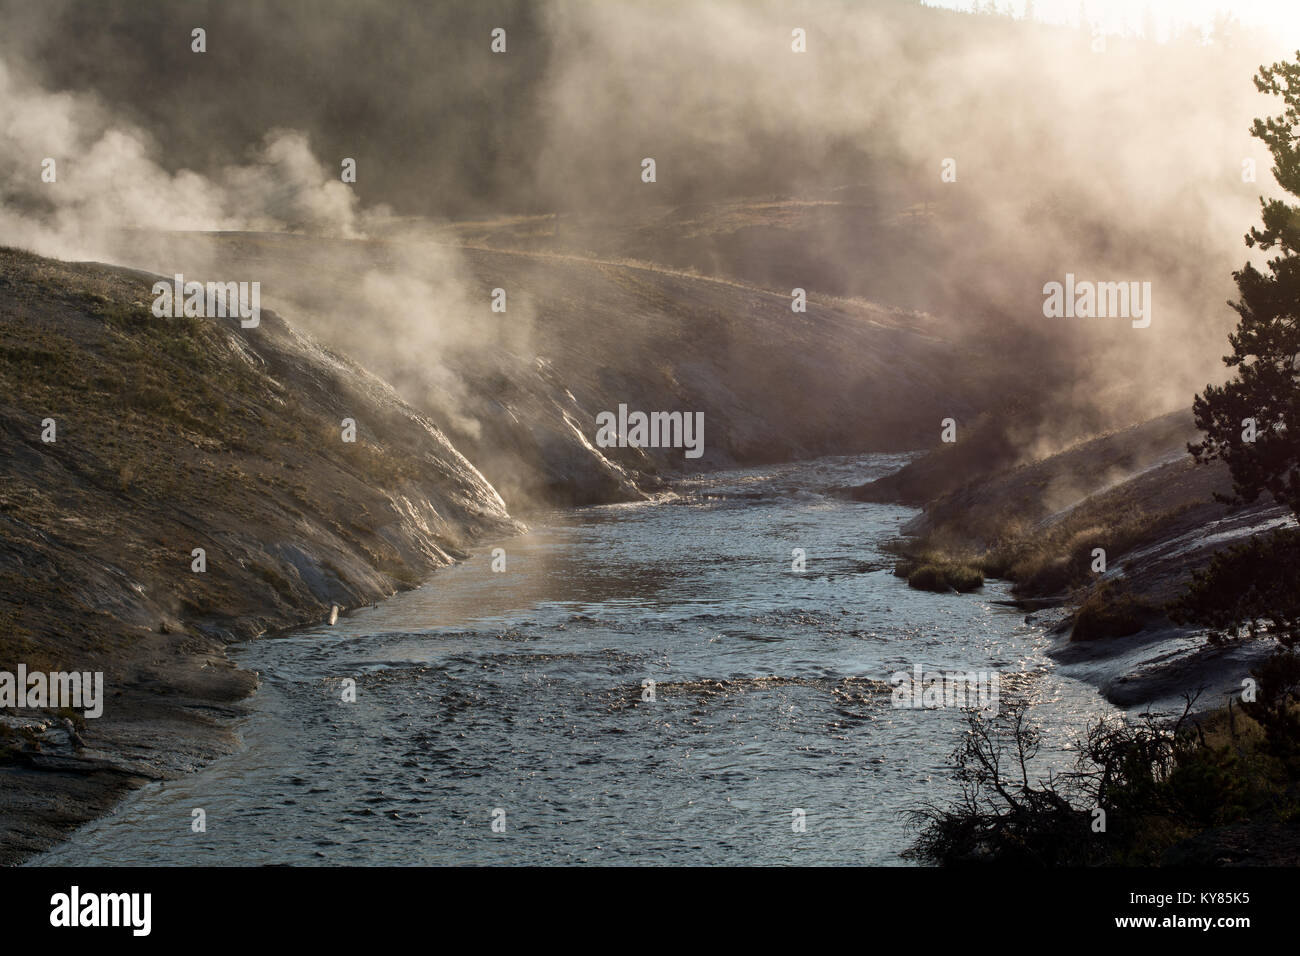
(516, 697)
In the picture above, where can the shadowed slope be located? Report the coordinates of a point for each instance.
(172, 435)
(520, 390)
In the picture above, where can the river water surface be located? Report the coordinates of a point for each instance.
(518, 696)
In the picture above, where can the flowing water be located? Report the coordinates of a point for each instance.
(519, 697)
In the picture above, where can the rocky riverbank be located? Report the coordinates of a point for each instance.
(170, 486)
(1097, 540)
(181, 443)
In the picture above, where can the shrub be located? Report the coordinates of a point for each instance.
(1248, 588)
(928, 577)
(1160, 780)
(964, 577)
(1111, 612)
(945, 577)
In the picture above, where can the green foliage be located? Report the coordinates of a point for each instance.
(1276, 708)
(1160, 781)
(1248, 589)
(1252, 587)
(1266, 342)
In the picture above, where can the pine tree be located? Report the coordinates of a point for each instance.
(1266, 343)
(1252, 423)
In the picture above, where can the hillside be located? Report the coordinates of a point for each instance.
(979, 503)
(1136, 494)
(867, 241)
(519, 391)
(172, 435)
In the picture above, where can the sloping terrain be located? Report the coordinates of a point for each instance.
(185, 433)
(173, 435)
(1137, 495)
(980, 508)
(519, 391)
(873, 242)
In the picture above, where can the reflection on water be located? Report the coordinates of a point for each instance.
(522, 692)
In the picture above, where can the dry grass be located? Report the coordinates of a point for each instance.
(1053, 559)
(1111, 611)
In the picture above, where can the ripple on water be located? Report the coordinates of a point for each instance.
(527, 692)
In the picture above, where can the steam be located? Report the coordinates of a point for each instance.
(1119, 165)
(1123, 164)
(107, 179)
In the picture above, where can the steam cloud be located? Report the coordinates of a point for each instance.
(1116, 166)
(108, 179)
